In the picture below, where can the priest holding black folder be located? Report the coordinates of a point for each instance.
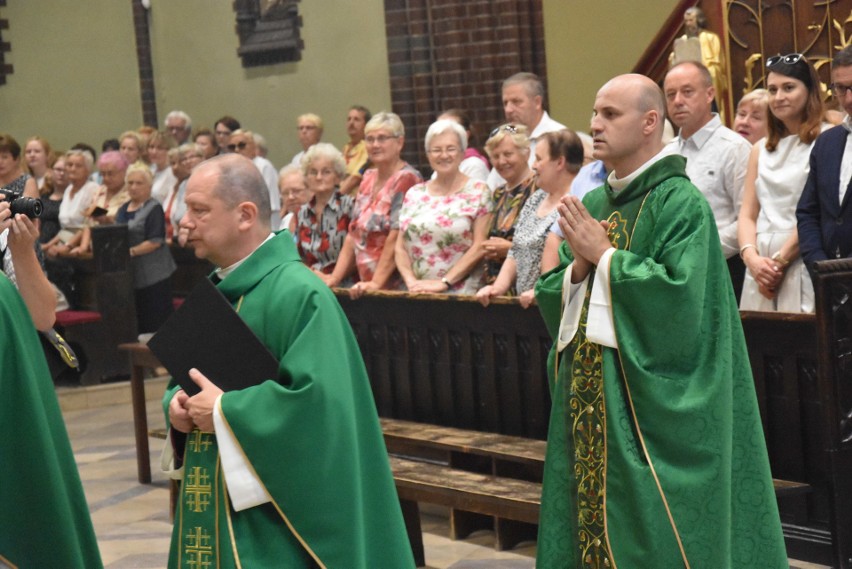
(290, 471)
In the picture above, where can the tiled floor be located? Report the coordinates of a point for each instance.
(132, 522)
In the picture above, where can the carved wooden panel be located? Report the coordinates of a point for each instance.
(269, 31)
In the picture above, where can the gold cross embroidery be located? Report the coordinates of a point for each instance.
(199, 442)
(198, 549)
(197, 489)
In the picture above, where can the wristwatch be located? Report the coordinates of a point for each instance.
(447, 282)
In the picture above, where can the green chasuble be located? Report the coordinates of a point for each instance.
(311, 435)
(656, 456)
(44, 518)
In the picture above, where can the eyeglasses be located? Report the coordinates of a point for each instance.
(293, 192)
(840, 90)
(789, 59)
(223, 133)
(381, 139)
(450, 150)
(324, 172)
(239, 145)
(510, 128)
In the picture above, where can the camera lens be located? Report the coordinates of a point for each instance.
(31, 207)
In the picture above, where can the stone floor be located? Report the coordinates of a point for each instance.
(132, 522)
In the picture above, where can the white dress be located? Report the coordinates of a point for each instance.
(781, 177)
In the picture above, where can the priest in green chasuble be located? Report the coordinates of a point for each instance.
(44, 517)
(656, 455)
(292, 472)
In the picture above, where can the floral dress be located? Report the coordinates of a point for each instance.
(374, 216)
(438, 230)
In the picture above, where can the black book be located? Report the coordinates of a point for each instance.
(206, 333)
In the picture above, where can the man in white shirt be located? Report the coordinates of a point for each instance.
(716, 156)
(242, 142)
(523, 99)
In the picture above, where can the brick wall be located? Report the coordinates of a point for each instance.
(456, 53)
(5, 68)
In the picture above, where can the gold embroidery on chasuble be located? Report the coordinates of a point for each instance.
(587, 412)
(199, 504)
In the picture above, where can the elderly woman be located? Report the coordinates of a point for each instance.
(151, 262)
(73, 211)
(206, 141)
(474, 164)
(369, 246)
(444, 221)
(130, 145)
(186, 157)
(293, 192)
(321, 224)
(38, 155)
(509, 150)
(159, 144)
(776, 279)
(106, 200)
(558, 158)
(752, 111)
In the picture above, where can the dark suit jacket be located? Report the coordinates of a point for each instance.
(824, 224)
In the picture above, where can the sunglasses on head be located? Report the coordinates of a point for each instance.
(789, 59)
(510, 128)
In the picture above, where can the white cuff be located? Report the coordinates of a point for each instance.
(600, 328)
(244, 487)
(572, 292)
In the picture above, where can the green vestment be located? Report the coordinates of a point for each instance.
(311, 435)
(656, 456)
(44, 518)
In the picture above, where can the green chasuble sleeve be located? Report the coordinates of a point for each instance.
(679, 474)
(312, 434)
(44, 518)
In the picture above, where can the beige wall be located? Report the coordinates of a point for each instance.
(590, 41)
(197, 69)
(75, 73)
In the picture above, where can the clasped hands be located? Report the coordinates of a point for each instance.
(186, 413)
(586, 236)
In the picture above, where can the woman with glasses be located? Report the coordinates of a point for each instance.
(294, 194)
(322, 223)
(776, 279)
(509, 150)
(369, 246)
(443, 222)
(558, 158)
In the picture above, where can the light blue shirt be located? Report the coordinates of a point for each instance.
(590, 176)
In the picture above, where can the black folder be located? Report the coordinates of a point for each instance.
(206, 333)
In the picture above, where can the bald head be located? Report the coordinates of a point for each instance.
(627, 126)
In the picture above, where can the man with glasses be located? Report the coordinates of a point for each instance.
(179, 126)
(824, 215)
(309, 127)
(242, 142)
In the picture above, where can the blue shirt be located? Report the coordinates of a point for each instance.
(590, 176)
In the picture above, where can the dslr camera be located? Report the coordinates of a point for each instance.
(31, 207)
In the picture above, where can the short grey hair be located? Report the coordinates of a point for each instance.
(140, 168)
(324, 150)
(842, 58)
(87, 157)
(240, 181)
(531, 82)
(182, 116)
(445, 126)
(387, 121)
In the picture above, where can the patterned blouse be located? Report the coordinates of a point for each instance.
(508, 204)
(320, 239)
(373, 217)
(438, 230)
(528, 244)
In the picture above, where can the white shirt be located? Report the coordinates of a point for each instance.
(716, 162)
(164, 181)
(270, 176)
(545, 125)
(846, 163)
(72, 210)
